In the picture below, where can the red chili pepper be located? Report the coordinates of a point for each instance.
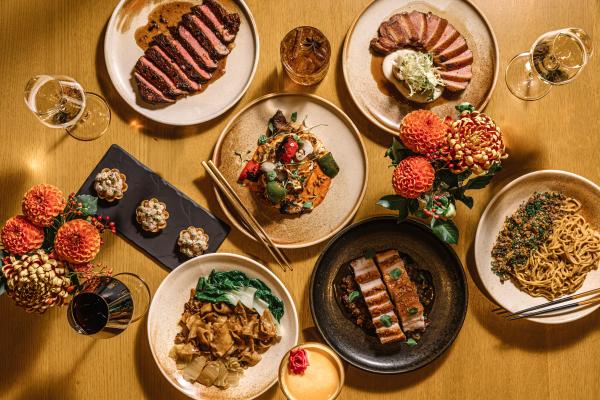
(287, 149)
(251, 171)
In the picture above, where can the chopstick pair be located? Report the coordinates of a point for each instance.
(541, 309)
(247, 217)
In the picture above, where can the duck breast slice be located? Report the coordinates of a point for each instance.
(450, 34)
(456, 48)
(199, 53)
(168, 66)
(206, 14)
(419, 23)
(455, 86)
(179, 54)
(463, 74)
(157, 78)
(205, 36)
(434, 30)
(464, 58)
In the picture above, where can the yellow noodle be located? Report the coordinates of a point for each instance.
(559, 266)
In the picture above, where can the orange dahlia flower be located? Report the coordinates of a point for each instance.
(413, 176)
(77, 242)
(19, 236)
(42, 203)
(422, 131)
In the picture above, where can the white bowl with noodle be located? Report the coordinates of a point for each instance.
(504, 204)
(167, 307)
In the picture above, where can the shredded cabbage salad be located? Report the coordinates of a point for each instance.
(419, 73)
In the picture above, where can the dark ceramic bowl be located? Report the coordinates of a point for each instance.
(447, 312)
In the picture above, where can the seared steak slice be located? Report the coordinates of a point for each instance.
(459, 61)
(179, 54)
(230, 20)
(205, 36)
(463, 74)
(419, 23)
(172, 70)
(450, 34)
(198, 52)
(149, 93)
(157, 78)
(205, 14)
(457, 47)
(435, 28)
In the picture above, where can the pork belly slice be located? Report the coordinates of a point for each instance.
(172, 70)
(205, 14)
(450, 34)
(419, 23)
(157, 78)
(434, 29)
(457, 47)
(464, 58)
(230, 20)
(463, 74)
(402, 290)
(377, 300)
(198, 53)
(148, 92)
(205, 36)
(179, 54)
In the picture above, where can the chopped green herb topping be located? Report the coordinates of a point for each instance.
(262, 139)
(353, 296)
(386, 320)
(396, 273)
(411, 342)
(413, 310)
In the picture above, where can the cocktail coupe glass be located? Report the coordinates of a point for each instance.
(60, 102)
(556, 58)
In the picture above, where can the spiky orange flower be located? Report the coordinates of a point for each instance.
(42, 203)
(413, 176)
(19, 236)
(77, 242)
(423, 132)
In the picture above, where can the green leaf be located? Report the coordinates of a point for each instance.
(467, 200)
(271, 127)
(307, 204)
(2, 284)
(353, 296)
(465, 107)
(369, 253)
(413, 205)
(386, 320)
(446, 230)
(393, 202)
(479, 183)
(294, 116)
(262, 139)
(397, 152)
(463, 175)
(89, 204)
(411, 342)
(448, 177)
(396, 273)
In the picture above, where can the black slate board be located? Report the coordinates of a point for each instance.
(144, 184)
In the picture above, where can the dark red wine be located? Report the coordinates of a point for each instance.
(90, 312)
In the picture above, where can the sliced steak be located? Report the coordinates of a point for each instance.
(172, 70)
(149, 93)
(205, 14)
(179, 54)
(157, 78)
(463, 74)
(457, 47)
(205, 36)
(450, 34)
(459, 61)
(419, 22)
(435, 29)
(455, 86)
(230, 20)
(195, 49)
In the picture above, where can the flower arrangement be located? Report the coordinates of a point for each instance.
(436, 161)
(48, 251)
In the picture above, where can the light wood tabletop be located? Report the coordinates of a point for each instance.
(42, 358)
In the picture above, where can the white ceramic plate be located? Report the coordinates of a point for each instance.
(166, 309)
(503, 205)
(121, 53)
(339, 135)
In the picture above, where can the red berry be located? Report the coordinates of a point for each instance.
(107, 218)
(99, 217)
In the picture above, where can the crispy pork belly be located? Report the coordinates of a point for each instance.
(377, 300)
(402, 290)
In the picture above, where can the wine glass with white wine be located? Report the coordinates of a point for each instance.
(556, 58)
(60, 102)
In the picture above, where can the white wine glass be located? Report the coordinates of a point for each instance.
(60, 102)
(556, 58)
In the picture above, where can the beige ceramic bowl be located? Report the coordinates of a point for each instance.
(503, 205)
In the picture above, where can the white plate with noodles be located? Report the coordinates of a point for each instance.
(544, 274)
(166, 312)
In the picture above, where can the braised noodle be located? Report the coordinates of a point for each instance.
(560, 264)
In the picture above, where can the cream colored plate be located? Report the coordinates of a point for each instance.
(381, 103)
(166, 309)
(339, 135)
(121, 53)
(503, 205)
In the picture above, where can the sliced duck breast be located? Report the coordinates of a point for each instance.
(172, 70)
(382, 45)
(230, 20)
(456, 48)
(434, 29)
(464, 58)
(157, 78)
(205, 36)
(407, 26)
(199, 53)
(419, 23)
(455, 86)
(206, 14)
(450, 34)
(463, 74)
(148, 92)
(179, 54)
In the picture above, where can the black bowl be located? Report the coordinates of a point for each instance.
(447, 313)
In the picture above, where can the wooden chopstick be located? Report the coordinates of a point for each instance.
(593, 300)
(550, 303)
(247, 217)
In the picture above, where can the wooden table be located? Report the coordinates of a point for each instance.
(42, 358)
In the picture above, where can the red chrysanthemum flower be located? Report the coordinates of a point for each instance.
(42, 203)
(19, 236)
(413, 176)
(77, 242)
(422, 131)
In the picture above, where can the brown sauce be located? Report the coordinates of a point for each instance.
(160, 19)
(383, 84)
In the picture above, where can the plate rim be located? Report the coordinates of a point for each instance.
(340, 113)
(111, 72)
(373, 120)
(586, 311)
(260, 267)
(420, 225)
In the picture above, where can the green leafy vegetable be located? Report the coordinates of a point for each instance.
(353, 296)
(445, 230)
(214, 289)
(386, 320)
(307, 204)
(411, 342)
(396, 273)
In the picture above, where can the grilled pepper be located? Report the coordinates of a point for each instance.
(287, 149)
(251, 171)
(275, 192)
(328, 165)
